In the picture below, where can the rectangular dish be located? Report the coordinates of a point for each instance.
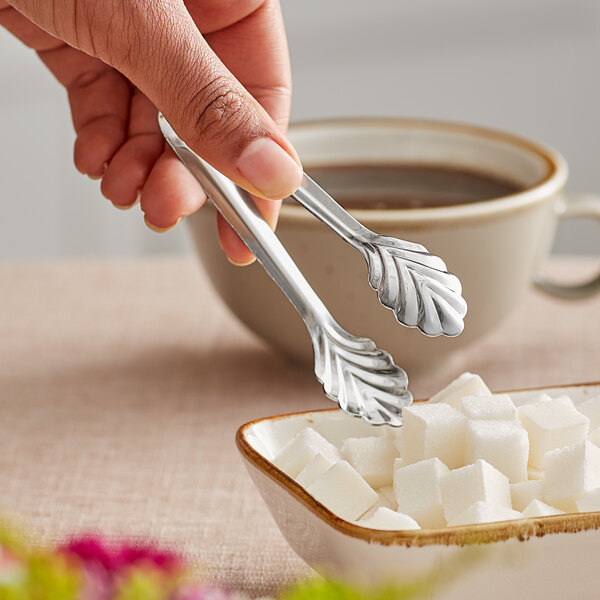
(547, 557)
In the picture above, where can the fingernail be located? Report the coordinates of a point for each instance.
(134, 203)
(269, 168)
(243, 263)
(158, 229)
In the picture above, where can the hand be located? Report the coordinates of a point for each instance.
(120, 60)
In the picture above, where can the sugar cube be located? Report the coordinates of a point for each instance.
(383, 501)
(484, 512)
(399, 463)
(497, 407)
(537, 508)
(591, 409)
(417, 490)
(388, 431)
(523, 492)
(398, 440)
(503, 444)
(589, 502)
(594, 436)
(467, 384)
(464, 487)
(565, 400)
(388, 492)
(433, 430)
(301, 449)
(551, 424)
(372, 457)
(343, 491)
(336, 427)
(543, 397)
(387, 519)
(535, 474)
(313, 470)
(570, 473)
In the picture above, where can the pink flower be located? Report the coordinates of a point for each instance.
(116, 558)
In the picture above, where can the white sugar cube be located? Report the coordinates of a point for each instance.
(388, 431)
(388, 492)
(418, 494)
(535, 399)
(467, 384)
(537, 508)
(338, 426)
(591, 409)
(498, 407)
(464, 487)
(372, 457)
(399, 463)
(523, 492)
(484, 512)
(565, 400)
(552, 424)
(343, 491)
(387, 519)
(313, 470)
(570, 473)
(301, 449)
(594, 436)
(589, 502)
(543, 397)
(503, 444)
(433, 430)
(535, 474)
(398, 440)
(382, 502)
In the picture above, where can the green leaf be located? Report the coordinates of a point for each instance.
(321, 589)
(144, 585)
(43, 578)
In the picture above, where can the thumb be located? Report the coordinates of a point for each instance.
(212, 112)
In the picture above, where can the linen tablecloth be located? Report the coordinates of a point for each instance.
(122, 384)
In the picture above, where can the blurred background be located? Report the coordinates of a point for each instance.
(529, 67)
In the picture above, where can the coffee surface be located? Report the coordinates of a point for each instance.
(408, 186)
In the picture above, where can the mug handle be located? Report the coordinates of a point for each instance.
(573, 205)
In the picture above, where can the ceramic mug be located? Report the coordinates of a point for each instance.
(496, 247)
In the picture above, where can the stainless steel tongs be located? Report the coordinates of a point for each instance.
(416, 285)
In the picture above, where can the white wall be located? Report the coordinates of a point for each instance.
(529, 66)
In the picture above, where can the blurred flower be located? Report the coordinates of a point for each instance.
(196, 592)
(117, 558)
(90, 568)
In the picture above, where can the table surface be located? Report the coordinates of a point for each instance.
(122, 384)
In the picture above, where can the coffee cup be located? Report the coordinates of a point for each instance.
(485, 201)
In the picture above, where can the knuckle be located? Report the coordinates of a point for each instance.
(218, 109)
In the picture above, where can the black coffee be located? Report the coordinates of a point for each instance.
(408, 186)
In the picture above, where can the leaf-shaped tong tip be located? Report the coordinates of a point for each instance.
(415, 285)
(362, 378)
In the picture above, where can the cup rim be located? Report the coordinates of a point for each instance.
(549, 185)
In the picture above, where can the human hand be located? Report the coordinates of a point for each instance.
(217, 69)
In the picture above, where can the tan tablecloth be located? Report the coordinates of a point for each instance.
(122, 384)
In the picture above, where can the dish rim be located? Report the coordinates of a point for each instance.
(462, 535)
